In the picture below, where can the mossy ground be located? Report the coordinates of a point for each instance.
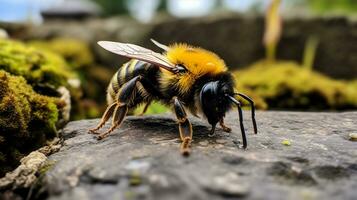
(287, 85)
(29, 100)
(27, 119)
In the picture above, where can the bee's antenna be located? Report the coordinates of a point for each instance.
(158, 44)
(251, 102)
(240, 114)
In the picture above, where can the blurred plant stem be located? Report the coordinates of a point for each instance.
(271, 52)
(273, 28)
(310, 52)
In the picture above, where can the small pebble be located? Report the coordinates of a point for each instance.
(353, 136)
(135, 179)
(286, 142)
(218, 146)
(221, 141)
(228, 185)
(203, 143)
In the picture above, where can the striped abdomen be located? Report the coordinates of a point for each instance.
(128, 71)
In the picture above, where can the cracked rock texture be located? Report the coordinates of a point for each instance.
(141, 160)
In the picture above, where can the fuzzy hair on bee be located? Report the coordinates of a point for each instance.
(197, 61)
(183, 76)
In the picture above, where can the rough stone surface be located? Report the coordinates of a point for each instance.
(24, 175)
(141, 160)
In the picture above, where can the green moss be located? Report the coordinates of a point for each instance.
(286, 85)
(27, 119)
(36, 66)
(87, 103)
(76, 52)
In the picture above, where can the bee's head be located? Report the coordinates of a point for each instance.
(214, 99)
(192, 63)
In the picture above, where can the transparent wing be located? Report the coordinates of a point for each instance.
(158, 44)
(138, 52)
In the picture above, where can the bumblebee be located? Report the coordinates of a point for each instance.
(184, 77)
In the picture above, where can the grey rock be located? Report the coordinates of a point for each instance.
(141, 160)
(72, 9)
(24, 175)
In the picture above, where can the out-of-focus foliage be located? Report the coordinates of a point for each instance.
(259, 102)
(154, 108)
(37, 67)
(27, 119)
(87, 103)
(74, 51)
(287, 85)
(310, 52)
(328, 6)
(113, 7)
(273, 28)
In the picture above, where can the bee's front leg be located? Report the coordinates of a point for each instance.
(185, 127)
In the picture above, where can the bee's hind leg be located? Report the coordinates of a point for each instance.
(124, 97)
(224, 127)
(185, 127)
(119, 114)
(107, 114)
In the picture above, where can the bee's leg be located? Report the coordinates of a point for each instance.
(124, 97)
(145, 108)
(212, 132)
(108, 112)
(252, 108)
(185, 127)
(240, 113)
(224, 127)
(119, 114)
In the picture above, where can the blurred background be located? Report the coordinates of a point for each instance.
(286, 54)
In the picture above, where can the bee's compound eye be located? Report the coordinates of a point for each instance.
(226, 90)
(210, 102)
(181, 68)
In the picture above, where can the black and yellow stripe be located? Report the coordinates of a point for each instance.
(128, 71)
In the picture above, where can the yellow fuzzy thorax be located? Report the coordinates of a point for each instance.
(197, 61)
